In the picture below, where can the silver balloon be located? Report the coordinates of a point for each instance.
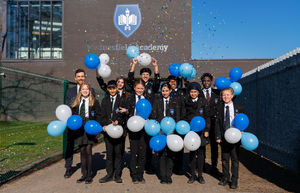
(114, 131)
(192, 141)
(63, 112)
(232, 135)
(104, 71)
(104, 58)
(144, 59)
(174, 142)
(135, 123)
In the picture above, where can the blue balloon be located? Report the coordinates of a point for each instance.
(194, 73)
(92, 127)
(56, 128)
(152, 127)
(92, 61)
(167, 125)
(186, 70)
(249, 141)
(197, 124)
(132, 52)
(182, 127)
(237, 88)
(235, 74)
(143, 108)
(174, 69)
(158, 142)
(74, 122)
(241, 121)
(222, 82)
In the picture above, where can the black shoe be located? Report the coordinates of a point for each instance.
(191, 180)
(179, 172)
(169, 180)
(150, 171)
(201, 180)
(135, 180)
(105, 179)
(118, 179)
(214, 170)
(223, 182)
(163, 182)
(82, 179)
(141, 180)
(233, 185)
(68, 173)
(88, 180)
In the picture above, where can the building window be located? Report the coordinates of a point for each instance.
(34, 30)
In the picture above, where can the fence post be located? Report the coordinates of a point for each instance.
(66, 84)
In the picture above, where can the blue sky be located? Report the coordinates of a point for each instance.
(228, 29)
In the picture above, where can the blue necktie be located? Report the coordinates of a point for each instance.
(227, 118)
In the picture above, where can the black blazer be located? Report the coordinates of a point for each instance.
(219, 121)
(72, 93)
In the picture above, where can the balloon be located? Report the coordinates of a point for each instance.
(144, 59)
(132, 52)
(174, 69)
(63, 112)
(92, 61)
(235, 74)
(92, 127)
(158, 142)
(193, 74)
(104, 71)
(174, 143)
(232, 135)
(192, 141)
(197, 124)
(249, 141)
(114, 131)
(237, 88)
(152, 127)
(222, 82)
(186, 70)
(104, 58)
(143, 108)
(182, 127)
(241, 121)
(135, 123)
(56, 128)
(167, 125)
(74, 122)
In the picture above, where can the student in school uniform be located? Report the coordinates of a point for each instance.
(195, 105)
(212, 99)
(113, 112)
(88, 108)
(226, 111)
(138, 140)
(163, 106)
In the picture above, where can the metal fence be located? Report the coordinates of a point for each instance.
(271, 100)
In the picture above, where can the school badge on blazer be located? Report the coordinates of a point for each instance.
(201, 111)
(172, 111)
(92, 113)
(216, 100)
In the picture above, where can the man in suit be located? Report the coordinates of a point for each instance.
(212, 98)
(70, 97)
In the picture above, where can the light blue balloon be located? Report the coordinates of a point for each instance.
(132, 52)
(167, 125)
(182, 127)
(237, 88)
(56, 128)
(186, 70)
(249, 141)
(152, 127)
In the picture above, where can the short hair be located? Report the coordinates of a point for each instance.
(194, 86)
(145, 70)
(171, 77)
(165, 84)
(227, 89)
(207, 75)
(79, 70)
(112, 83)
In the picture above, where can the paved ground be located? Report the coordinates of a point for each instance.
(51, 180)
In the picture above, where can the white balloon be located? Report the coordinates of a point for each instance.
(192, 141)
(104, 71)
(114, 131)
(232, 135)
(144, 59)
(63, 112)
(104, 58)
(174, 142)
(136, 123)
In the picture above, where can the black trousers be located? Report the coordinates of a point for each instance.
(197, 159)
(138, 148)
(213, 148)
(114, 155)
(149, 154)
(230, 151)
(69, 149)
(86, 160)
(166, 163)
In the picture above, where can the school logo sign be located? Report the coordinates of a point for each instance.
(127, 18)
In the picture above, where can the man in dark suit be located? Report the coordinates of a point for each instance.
(212, 98)
(70, 97)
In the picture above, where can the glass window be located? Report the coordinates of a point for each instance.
(34, 30)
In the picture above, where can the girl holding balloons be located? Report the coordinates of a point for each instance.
(88, 108)
(197, 114)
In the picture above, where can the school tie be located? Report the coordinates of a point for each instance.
(207, 96)
(139, 97)
(82, 110)
(227, 118)
(166, 107)
(112, 104)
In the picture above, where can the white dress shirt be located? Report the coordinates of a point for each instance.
(195, 100)
(87, 101)
(209, 92)
(136, 100)
(231, 112)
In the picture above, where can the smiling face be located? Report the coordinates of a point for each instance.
(173, 84)
(194, 93)
(165, 91)
(145, 76)
(85, 91)
(139, 89)
(80, 78)
(112, 90)
(227, 96)
(206, 82)
(120, 84)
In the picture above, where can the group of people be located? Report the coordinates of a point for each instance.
(176, 98)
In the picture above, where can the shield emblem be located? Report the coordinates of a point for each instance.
(127, 18)
(172, 111)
